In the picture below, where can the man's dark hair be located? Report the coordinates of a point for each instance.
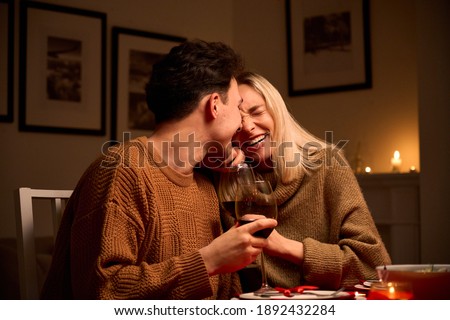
(186, 74)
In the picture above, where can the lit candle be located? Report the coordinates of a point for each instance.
(360, 296)
(368, 169)
(396, 162)
(390, 291)
(412, 169)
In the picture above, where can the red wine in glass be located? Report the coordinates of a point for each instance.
(264, 233)
(230, 208)
(266, 208)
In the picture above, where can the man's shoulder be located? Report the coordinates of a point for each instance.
(130, 154)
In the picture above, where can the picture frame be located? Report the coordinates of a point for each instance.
(6, 60)
(62, 72)
(133, 54)
(328, 46)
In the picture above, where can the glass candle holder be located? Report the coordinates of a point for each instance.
(390, 291)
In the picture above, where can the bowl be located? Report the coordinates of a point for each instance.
(428, 281)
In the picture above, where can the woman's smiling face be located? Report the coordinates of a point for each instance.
(257, 125)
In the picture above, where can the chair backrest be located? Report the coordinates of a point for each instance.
(26, 250)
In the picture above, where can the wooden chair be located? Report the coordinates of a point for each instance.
(26, 250)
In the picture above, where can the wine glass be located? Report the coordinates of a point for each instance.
(229, 180)
(256, 201)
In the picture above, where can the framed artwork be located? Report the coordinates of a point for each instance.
(133, 54)
(62, 69)
(6, 60)
(328, 46)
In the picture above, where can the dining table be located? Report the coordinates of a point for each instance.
(305, 292)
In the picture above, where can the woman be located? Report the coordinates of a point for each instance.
(326, 235)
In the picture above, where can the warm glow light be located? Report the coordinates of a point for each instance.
(396, 161)
(368, 169)
(360, 296)
(412, 169)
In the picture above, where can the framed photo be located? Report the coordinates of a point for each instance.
(62, 69)
(328, 46)
(133, 54)
(6, 60)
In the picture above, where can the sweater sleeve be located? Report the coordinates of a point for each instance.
(355, 247)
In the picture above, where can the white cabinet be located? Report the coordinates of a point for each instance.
(393, 200)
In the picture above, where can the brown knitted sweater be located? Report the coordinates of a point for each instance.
(326, 210)
(133, 231)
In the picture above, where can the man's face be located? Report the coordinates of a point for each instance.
(227, 123)
(230, 116)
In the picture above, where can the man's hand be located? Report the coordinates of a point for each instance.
(236, 248)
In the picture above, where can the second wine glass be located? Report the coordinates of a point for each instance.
(256, 201)
(228, 183)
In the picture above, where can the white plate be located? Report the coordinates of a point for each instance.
(362, 287)
(307, 295)
(368, 283)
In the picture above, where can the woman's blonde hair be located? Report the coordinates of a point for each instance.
(294, 147)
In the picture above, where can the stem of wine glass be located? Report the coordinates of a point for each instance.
(264, 285)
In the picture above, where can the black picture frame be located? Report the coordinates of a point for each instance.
(62, 72)
(328, 46)
(133, 54)
(6, 60)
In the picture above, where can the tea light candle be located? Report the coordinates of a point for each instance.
(360, 296)
(390, 291)
(396, 162)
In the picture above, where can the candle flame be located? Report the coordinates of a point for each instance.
(396, 154)
(368, 169)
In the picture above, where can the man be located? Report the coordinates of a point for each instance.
(141, 224)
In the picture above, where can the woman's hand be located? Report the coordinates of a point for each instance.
(215, 162)
(287, 249)
(235, 157)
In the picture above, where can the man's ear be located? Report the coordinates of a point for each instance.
(213, 106)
